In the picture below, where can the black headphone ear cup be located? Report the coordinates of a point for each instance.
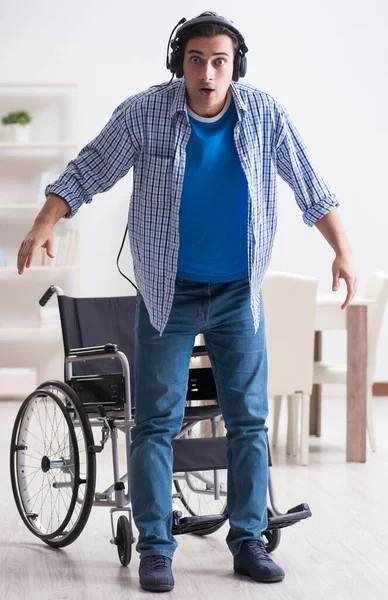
(172, 62)
(243, 66)
(239, 67)
(236, 67)
(178, 64)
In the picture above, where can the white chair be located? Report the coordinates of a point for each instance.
(377, 291)
(289, 308)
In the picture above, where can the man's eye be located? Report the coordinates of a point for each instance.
(220, 61)
(195, 60)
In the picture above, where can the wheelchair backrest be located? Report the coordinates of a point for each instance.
(96, 322)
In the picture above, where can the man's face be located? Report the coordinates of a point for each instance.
(208, 70)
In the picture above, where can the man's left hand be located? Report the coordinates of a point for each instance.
(343, 268)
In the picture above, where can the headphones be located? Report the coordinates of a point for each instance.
(174, 61)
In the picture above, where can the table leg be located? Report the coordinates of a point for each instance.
(356, 383)
(316, 396)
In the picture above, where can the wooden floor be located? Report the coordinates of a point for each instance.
(340, 553)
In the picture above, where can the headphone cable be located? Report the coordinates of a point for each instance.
(118, 257)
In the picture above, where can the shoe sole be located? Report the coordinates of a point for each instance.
(274, 579)
(157, 588)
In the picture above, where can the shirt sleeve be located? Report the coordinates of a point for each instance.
(313, 195)
(100, 164)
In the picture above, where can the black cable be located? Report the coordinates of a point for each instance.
(118, 257)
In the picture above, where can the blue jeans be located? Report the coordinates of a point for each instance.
(221, 311)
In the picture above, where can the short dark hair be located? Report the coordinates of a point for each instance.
(209, 30)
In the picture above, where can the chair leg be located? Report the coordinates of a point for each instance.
(295, 423)
(292, 429)
(276, 418)
(289, 444)
(369, 420)
(305, 429)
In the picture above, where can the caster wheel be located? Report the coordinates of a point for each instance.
(271, 536)
(124, 540)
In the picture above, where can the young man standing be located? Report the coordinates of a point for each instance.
(206, 151)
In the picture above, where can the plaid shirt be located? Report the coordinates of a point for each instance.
(149, 131)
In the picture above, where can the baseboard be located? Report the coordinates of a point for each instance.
(380, 388)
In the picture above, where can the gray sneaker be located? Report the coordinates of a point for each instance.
(155, 573)
(253, 559)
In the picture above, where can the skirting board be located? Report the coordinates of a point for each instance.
(380, 388)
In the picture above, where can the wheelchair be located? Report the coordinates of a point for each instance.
(53, 454)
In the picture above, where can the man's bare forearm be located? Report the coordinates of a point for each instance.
(54, 209)
(332, 230)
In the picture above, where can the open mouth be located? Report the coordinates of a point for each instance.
(206, 91)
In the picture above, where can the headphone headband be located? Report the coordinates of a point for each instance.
(175, 61)
(183, 29)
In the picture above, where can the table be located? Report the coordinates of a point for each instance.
(353, 319)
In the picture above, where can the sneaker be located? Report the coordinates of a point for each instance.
(253, 559)
(155, 573)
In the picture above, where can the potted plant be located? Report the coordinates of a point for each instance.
(17, 125)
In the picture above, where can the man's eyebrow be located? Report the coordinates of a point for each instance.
(214, 53)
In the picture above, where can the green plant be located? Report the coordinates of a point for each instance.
(21, 117)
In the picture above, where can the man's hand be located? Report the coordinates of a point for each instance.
(332, 230)
(343, 268)
(40, 236)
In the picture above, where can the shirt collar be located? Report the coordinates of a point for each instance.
(179, 101)
(242, 109)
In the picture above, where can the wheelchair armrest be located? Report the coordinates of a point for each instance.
(90, 350)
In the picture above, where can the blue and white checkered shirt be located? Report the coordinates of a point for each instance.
(149, 131)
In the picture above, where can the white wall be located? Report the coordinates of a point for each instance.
(325, 61)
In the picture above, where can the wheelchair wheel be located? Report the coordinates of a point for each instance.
(53, 465)
(271, 536)
(124, 540)
(194, 492)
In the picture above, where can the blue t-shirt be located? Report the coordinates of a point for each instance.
(213, 218)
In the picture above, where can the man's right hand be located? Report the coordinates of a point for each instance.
(40, 236)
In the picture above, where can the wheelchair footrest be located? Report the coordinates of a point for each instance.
(292, 516)
(201, 523)
(197, 523)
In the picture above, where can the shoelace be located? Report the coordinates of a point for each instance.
(258, 550)
(158, 563)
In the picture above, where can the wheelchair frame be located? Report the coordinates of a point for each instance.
(115, 496)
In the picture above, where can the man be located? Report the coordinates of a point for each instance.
(206, 151)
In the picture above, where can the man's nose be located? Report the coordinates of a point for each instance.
(207, 72)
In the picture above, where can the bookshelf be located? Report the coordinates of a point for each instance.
(30, 337)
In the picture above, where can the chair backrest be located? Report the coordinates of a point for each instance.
(96, 322)
(376, 290)
(289, 308)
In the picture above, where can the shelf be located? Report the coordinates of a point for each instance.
(30, 334)
(17, 382)
(26, 332)
(37, 145)
(11, 272)
(15, 395)
(8, 212)
(30, 84)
